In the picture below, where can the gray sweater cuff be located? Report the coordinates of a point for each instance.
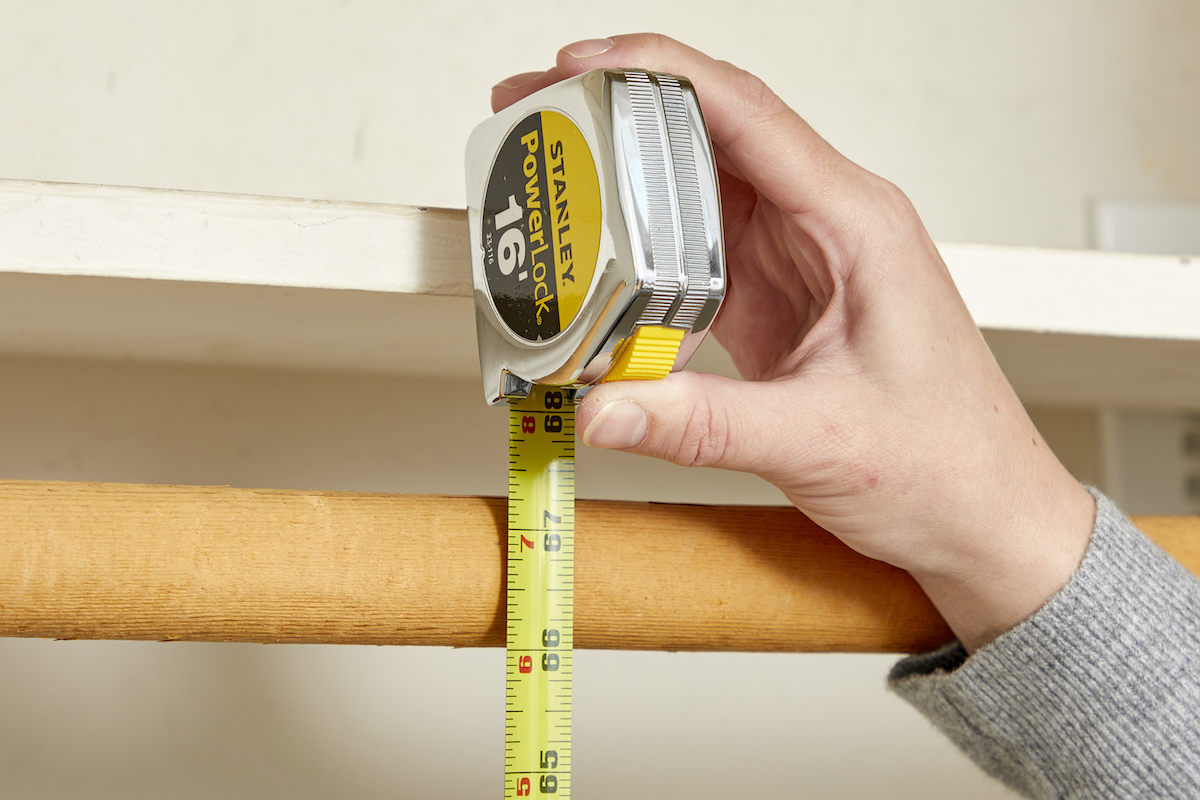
(1096, 695)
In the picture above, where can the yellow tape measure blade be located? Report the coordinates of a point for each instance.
(541, 574)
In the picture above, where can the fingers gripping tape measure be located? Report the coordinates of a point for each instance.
(597, 255)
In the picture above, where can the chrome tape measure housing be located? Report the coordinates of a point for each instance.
(594, 212)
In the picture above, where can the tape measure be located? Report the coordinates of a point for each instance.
(541, 592)
(597, 255)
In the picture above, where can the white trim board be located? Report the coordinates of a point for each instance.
(1084, 292)
(155, 234)
(113, 272)
(167, 235)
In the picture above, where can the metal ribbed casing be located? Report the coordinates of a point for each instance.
(664, 258)
(696, 255)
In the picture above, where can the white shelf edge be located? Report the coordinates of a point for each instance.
(1084, 292)
(155, 234)
(168, 235)
(98, 272)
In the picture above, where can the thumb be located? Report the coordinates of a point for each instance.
(689, 418)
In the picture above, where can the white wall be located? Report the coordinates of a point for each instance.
(1002, 121)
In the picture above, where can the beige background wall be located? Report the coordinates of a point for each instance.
(1002, 120)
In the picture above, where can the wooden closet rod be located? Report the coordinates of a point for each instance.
(117, 561)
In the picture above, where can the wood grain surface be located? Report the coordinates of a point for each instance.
(118, 561)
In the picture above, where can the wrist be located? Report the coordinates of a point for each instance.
(997, 579)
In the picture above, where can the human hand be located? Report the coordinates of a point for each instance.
(870, 398)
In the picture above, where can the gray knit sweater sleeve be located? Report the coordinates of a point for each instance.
(1097, 695)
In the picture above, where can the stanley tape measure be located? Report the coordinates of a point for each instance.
(595, 225)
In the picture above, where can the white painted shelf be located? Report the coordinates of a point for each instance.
(122, 273)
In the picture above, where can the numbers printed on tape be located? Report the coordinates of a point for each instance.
(541, 536)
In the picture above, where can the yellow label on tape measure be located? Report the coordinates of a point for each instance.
(541, 580)
(541, 223)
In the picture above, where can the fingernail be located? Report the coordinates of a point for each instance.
(618, 426)
(588, 48)
(517, 81)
